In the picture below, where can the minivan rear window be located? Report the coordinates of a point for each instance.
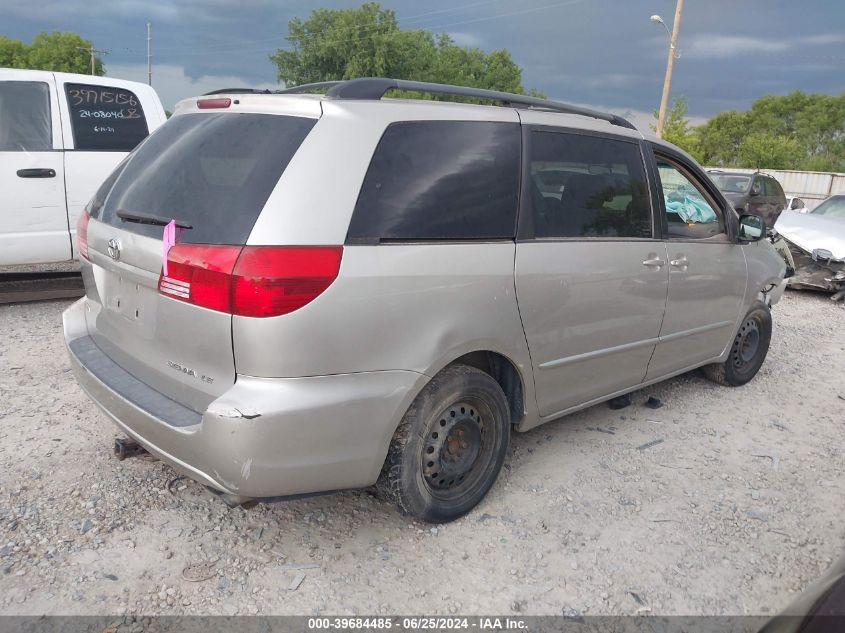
(213, 172)
(440, 180)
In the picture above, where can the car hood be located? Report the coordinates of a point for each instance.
(809, 232)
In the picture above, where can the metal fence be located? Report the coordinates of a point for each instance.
(811, 186)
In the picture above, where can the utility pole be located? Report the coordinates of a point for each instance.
(92, 50)
(667, 81)
(149, 55)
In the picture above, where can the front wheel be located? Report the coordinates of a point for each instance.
(449, 447)
(748, 350)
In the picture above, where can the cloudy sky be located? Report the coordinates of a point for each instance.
(603, 53)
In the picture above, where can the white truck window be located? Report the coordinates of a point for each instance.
(105, 118)
(25, 117)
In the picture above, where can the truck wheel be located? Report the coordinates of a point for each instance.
(748, 350)
(449, 447)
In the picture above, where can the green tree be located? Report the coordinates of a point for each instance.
(795, 131)
(768, 150)
(721, 137)
(58, 51)
(62, 52)
(12, 53)
(677, 129)
(368, 42)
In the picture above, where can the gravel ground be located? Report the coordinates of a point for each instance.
(737, 507)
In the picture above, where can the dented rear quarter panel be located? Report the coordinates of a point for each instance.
(395, 307)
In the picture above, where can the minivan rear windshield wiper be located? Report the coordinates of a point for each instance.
(146, 218)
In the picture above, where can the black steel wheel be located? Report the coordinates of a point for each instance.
(450, 446)
(455, 451)
(746, 344)
(748, 350)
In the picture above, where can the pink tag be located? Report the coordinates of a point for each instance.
(168, 239)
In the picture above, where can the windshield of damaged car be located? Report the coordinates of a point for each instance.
(731, 184)
(831, 208)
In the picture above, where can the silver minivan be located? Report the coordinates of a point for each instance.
(294, 293)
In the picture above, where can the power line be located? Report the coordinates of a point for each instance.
(194, 51)
(92, 50)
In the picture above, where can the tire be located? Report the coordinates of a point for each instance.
(449, 447)
(748, 350)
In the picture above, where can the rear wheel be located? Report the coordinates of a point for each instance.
(748, 350)
(449, 447)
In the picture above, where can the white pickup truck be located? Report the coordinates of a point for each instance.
(61, 135)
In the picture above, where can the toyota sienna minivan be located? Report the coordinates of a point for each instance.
(292, 293)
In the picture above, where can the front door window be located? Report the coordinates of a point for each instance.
(690, 212)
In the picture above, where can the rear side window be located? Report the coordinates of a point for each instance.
(587, 186)
(25, 117)
(772, 188)
(105, 118)
(213, 172)
(441, 180)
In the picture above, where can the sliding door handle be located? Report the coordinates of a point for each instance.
(681, 262)
(36, 173)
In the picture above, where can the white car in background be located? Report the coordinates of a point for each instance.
(816, 241)
(796, 204)
(60, 136)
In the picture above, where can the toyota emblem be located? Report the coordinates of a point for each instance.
(114, 249)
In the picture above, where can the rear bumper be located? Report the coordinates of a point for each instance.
(264, 437)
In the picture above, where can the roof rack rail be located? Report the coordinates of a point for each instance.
(308, 87)
(374, 88)
(267, 91)
(238, 91)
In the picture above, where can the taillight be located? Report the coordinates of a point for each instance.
(82, 233)
(253, 281)
(274, 280)
(200, 274)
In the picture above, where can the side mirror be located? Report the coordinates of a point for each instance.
(751, 227)
(754, 192)
(797, 203)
